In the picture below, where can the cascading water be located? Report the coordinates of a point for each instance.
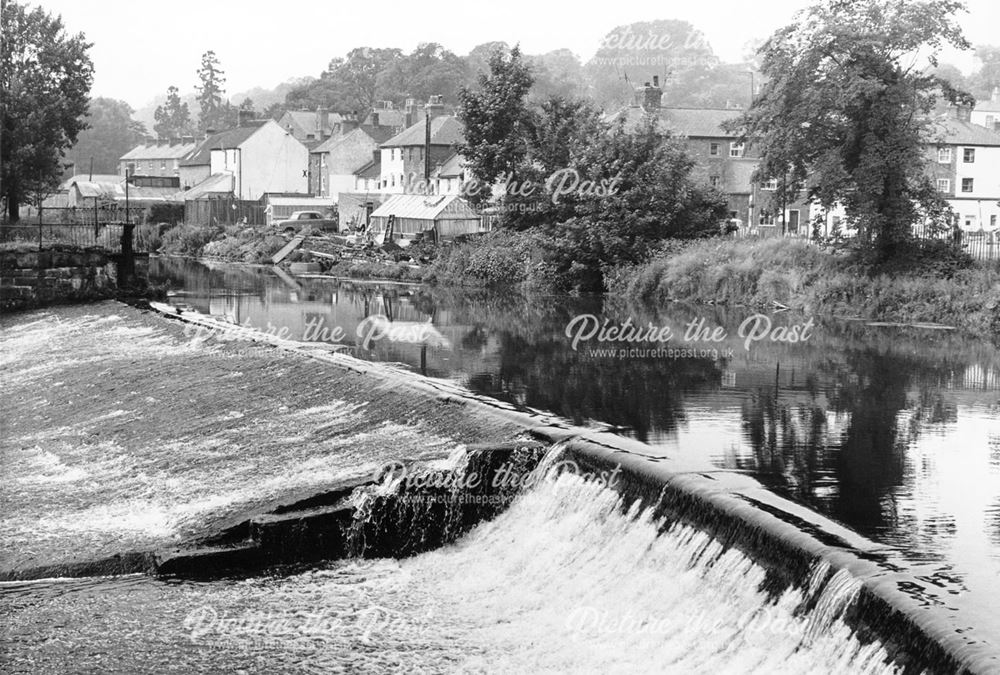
(567, 579)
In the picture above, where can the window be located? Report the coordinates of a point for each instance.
(969, 155)
(970, 222)
(714, 181)
(769, 184)
(735, 149)
(943, 185)
(163, 165)
(993, 221)
(713, 149)
(766, 218)
(944, 155)
(990, 121)
(968, 185)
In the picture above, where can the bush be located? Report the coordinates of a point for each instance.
(804, 277)
(498, 258)
(189, 239)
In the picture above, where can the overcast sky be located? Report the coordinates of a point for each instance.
(141, 47)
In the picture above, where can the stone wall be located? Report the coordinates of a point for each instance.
(54, 276)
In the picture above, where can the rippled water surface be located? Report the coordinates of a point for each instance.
(562, 582)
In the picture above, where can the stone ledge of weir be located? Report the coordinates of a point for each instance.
(364, 517)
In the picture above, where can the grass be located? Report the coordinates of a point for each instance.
(807, 278)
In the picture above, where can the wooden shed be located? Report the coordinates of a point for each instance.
(448, 216)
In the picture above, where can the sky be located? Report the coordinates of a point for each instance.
(141, 48)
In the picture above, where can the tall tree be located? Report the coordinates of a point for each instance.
(558, 74)
(45, 78)
(987, 78)
(348, 84)
(173, 118)
(429, 70)
(633, 53)
(477, 61)
(497, 120)
(845, 112)
(112, 133)
(211, 92)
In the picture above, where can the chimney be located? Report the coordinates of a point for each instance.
(649, 97)
(149, 140)
(434, 107)
(962, 113)
(350, 122)
(187, 140)
(244, 117)
(322, 122)
(410, 112)
(996, 95)
(374, 118)
(174, 140)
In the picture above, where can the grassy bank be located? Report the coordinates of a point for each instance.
(930, 286)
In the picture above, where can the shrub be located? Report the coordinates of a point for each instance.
(189, 239)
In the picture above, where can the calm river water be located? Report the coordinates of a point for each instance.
(894, 432)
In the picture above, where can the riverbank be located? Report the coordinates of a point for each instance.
(803, 277)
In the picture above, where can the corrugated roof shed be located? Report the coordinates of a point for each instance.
(422, 207)
(445, 130)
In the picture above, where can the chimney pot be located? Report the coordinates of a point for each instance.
(434, 107)
(374, 118)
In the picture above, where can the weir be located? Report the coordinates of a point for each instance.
(796, 547)
(655, 556)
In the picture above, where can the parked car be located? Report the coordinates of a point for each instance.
(301, 219)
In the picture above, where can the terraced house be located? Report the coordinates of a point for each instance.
(966, 169)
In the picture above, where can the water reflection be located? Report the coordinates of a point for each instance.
(892, 432)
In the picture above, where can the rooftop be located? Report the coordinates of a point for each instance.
(230, 138)
(990, 105)
(379, 134)
(160, 150)
(445, 130)
(425, 207)
(960, 132)
(691, 122)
